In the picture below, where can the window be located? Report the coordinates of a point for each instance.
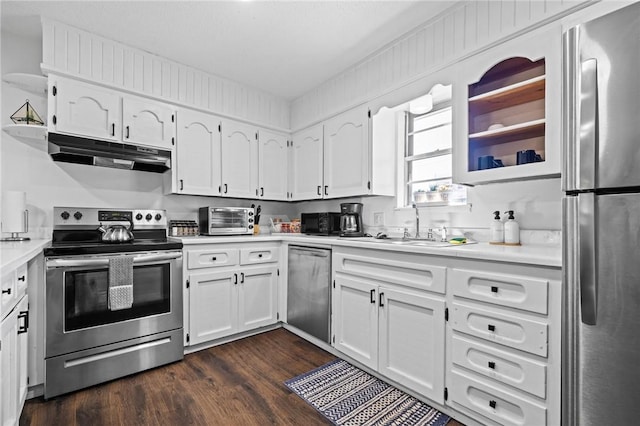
(427, 158)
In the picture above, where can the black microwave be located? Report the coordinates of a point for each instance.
(324, 223)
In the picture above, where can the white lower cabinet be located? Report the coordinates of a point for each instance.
(503, 363)
(229, 290)
(396, 330)
(13, 363)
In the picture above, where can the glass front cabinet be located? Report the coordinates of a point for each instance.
(507, 110)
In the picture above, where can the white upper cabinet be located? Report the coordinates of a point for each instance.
(147, 122)
(239, 160)
(306, 164)
(85, 110)
(92, 111)
(347, 154)
(272, 165)
(198, 151)
(507, 111)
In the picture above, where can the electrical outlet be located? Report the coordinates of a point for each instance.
(378, 219)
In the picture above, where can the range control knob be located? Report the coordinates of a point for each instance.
(139, 216)
(77, 215)
(148, 216)
(65, 215)
(158, 216)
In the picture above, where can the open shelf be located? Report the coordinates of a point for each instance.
(505, 97)
(29, 82)
(511, 131)
(28, 131)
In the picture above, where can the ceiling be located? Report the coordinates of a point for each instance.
(282, 47)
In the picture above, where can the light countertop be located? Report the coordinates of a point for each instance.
(14, 254)
(530, 254)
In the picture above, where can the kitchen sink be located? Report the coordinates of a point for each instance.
(402, 241)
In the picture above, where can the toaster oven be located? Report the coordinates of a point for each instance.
(225, 220)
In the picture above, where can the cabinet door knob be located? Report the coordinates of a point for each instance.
(494, 289)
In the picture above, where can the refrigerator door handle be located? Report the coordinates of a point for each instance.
(588, 278)
(588, 132)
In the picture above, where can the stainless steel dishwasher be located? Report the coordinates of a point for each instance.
(309, 291)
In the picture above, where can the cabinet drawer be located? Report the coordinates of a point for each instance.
(212, 257)
(508, 368)
(265, 254)
(503, 328)
(494, 403)
(515, 291)
(417, 275)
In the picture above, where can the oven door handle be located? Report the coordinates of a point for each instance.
(104, 261)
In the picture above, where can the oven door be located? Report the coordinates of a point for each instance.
(77, 309)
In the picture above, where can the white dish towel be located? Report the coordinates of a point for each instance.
(120, 282)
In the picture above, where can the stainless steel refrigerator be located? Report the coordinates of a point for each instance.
(601, 180)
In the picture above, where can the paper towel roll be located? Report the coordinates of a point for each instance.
(14, 204)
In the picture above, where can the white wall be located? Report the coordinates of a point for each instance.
(27, 166)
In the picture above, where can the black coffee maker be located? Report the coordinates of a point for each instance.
(351, 220)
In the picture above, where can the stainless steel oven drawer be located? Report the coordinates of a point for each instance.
(77, 370)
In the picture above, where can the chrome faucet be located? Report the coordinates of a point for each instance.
(443, 234)
(417, 221)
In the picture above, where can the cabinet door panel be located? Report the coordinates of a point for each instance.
(306, 164)
(147, 122)
(86, 110)
(258, 297)
(355, 319)
(212, 306)
(346, 154)
(198, 153)
(239, 160)
(411, 345)
(273, 165)
(9, 369)
(22, 351)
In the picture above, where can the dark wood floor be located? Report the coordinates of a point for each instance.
(239, 383)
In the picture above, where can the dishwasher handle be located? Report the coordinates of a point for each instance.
(309, 251)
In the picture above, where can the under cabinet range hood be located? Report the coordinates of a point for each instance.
(73, 149)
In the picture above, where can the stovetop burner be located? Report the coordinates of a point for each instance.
(75, 231)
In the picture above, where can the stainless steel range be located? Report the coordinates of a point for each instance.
(113, 296)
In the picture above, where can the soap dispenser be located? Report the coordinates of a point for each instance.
(511, 230)
(496, 229)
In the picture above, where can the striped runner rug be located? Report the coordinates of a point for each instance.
(346, 395)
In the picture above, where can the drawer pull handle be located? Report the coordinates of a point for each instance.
(22, 278)
(492, 365)
(214, 258)
(491, 327)
(373, 296)
(7, 291)
(241, 277)
(260, 255)
(235, 278)
(494, 289)
(492, 404)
